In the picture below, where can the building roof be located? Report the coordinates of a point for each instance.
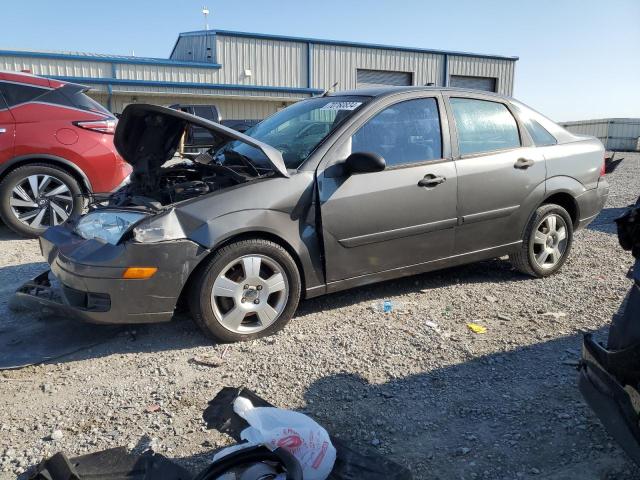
(101, 57)
(319, 41)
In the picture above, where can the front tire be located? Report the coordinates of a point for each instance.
(247, 290)
(546, 244)
(37, 196)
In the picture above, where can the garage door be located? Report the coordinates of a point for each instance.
(381, 78)
(476, 83)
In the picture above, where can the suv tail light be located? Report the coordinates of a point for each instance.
(603, 169)
(102, 126)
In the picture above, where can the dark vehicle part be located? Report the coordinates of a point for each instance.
(350, 464)
(37, 196)
(611, 163)
(240, 125)
(112, 464)
(248, 289)
(610, 377)
(254, 463)
(546, 243)
(364, 162)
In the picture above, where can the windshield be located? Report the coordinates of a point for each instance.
(295, 131)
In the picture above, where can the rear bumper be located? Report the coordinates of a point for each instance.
(86, 281)
(591, 203)
(607, 381)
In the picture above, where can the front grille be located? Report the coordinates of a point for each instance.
(95, 302)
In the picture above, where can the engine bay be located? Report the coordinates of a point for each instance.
(177, 181)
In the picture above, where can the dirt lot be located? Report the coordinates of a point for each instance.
(448, 403)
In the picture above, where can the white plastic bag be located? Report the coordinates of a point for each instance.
(293, 431)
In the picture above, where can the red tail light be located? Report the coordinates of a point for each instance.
(102, 126)
(603, 169)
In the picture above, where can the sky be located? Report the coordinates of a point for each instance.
(579, 59)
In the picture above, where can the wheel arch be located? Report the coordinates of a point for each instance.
(53, 160)
(566, 201)
(239, 236)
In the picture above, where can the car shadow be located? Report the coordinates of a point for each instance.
(605, 222)
(514, 414)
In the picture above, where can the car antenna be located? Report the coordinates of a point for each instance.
(328, 90)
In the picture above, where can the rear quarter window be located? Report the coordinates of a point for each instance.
(15, 93)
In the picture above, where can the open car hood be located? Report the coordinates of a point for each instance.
(148, 135)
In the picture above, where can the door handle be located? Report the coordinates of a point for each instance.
(524, 163)
(431, 180)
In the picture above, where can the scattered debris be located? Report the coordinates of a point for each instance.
(56, 435)
(490, 298)
(154, 407)
(555, 315)
(475, 328)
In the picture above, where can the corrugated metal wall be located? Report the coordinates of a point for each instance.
(621, 134)
(48, 67)
(337, 63)
(272, 62)
(502, 70)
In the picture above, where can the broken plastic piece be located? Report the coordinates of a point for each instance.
(475, 328)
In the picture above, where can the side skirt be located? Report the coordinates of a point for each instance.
(409, 270)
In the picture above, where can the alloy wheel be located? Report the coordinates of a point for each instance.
(550, 241)
(40, 201)
(249, 294)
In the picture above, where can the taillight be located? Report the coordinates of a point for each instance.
(102, 126)
(603, 169)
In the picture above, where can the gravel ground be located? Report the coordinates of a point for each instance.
(415, 384)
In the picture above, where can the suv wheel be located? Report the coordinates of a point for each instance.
(249, 289)
(35, 197)
(546, 243)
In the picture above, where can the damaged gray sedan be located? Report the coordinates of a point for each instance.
(330, 193)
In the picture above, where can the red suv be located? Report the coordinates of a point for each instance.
(56, 147)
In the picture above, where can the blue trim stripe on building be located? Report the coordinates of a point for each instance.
(109, 59)
(319, 41)
(207, 86)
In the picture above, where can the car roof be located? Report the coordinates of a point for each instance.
(391, 90)
(30, 79)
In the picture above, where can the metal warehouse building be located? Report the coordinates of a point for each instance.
(617, 134)
(249, 75)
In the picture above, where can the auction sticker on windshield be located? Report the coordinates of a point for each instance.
(341, 106)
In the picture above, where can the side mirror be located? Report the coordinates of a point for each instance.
(364, 162)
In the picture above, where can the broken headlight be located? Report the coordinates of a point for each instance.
(160, 228)
(107, 225)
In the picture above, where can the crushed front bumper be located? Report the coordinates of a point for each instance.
(85, 280)
(608, 382)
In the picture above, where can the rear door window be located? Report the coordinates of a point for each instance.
(404, 133)
(15, 93)
(484, 126)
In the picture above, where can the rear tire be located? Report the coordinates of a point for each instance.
(29, 213)
(547, 242)
(247, 290)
